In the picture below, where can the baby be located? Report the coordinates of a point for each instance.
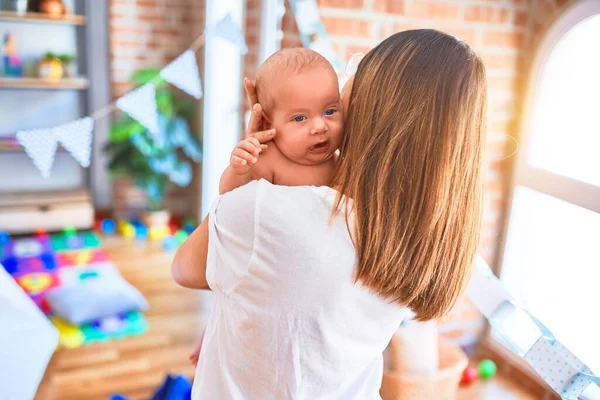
(299, 96)
(299, 100)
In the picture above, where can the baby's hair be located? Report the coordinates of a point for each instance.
(294, 59)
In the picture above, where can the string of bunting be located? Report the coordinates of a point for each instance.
(140, 104)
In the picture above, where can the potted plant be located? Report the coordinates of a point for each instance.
(50, 67)
(68, 64)
(153, 162)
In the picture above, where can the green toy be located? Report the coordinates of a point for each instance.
(70, 231)
(181, 236)
(487, 369)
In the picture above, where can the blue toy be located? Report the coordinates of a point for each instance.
(108, 226)
(11, 265)
(4, 237)
(189, 228)
(169, 243)
(141, 232)
(173, 388)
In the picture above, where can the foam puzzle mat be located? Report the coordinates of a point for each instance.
(43, 262)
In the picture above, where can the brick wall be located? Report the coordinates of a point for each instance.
(150, 33)
(505, 33)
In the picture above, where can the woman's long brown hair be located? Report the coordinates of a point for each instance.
(412, 162)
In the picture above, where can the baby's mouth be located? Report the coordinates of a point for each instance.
(319, 147)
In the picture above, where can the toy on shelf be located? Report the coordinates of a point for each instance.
(50, 67)
(52, 8)
(12, 62)
(68, 64)
(485, 370)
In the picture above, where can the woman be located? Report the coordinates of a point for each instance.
(310, 283)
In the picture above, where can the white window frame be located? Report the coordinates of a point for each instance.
(222, 99)
(526, 175)
(561, 187)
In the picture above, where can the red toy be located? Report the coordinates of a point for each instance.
(41, 233)
(470, 374)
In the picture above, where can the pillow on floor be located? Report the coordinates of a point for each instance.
(105, 293)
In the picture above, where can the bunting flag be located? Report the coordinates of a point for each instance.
(183, 73)
(313, 33)
(226, 29)
(526, 336)
(76, 137)
(140, 104)
(40, 145)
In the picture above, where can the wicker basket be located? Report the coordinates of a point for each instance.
(443, 385)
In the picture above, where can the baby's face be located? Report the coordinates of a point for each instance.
(307, 115)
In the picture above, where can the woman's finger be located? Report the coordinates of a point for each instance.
(264, 136)
(244, 155)
(251, 95)
(256, 120)
(256, 143)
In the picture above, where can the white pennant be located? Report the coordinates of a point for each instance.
(230, 31)
(140, 104)
(183, 73)
(40, 145)
(76, 137)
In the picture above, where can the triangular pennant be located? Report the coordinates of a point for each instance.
(40, 145)
(140, 104)
(183, 73)
(230, 31)
(76, 137)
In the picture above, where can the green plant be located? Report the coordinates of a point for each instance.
(50, 55)
(66, 58)
(152, 162)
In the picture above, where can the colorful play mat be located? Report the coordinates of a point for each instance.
(45, 261)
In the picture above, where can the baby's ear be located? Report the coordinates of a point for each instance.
(266, 121)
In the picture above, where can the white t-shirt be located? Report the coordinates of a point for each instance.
(287, 320)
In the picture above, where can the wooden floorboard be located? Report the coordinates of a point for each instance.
(133, 366)
(136, 366)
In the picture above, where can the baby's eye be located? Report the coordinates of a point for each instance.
(331, 111)
(300, 118)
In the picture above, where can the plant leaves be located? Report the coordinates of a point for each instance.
(147, 75)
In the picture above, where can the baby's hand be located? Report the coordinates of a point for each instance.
(246, 154)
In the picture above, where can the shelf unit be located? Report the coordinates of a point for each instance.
(49, 205)
(69, 19)
(39, 83)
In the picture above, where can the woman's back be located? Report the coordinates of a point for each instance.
(288, 321)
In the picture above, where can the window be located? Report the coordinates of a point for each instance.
(551, 260)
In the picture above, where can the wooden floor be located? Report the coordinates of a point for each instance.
(133, 366)
(136, 366)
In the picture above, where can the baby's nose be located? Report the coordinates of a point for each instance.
(319, 126)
